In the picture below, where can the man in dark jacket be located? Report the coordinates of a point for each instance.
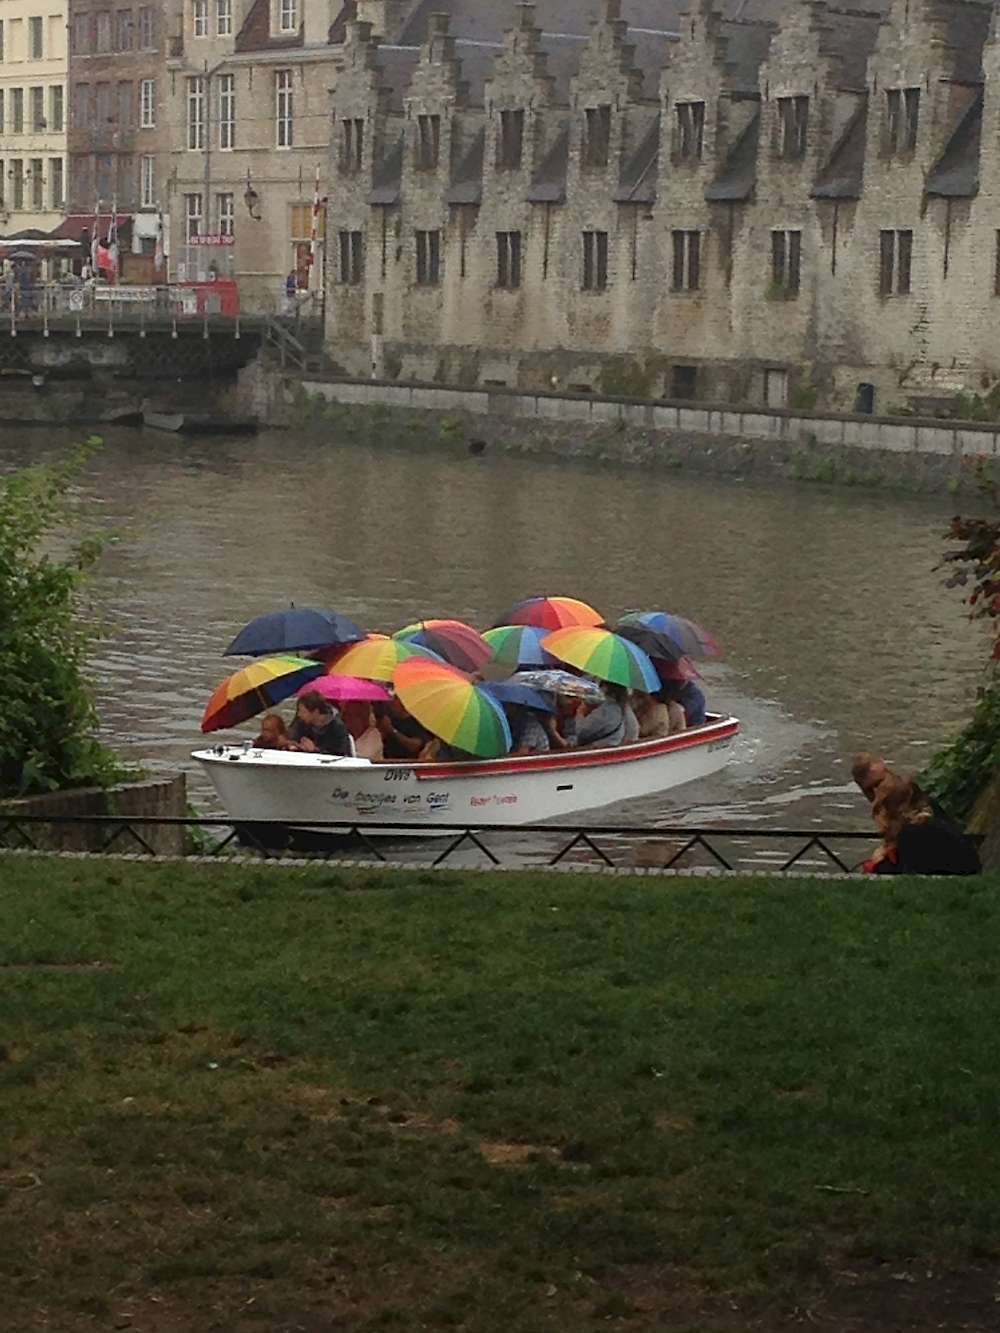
(318, 727)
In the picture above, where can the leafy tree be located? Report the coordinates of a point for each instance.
(960, 773)
(48, 723)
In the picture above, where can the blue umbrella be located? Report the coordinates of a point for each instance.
(300, 629)
(513, 692)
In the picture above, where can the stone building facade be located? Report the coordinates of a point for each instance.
(32, 115)
(783, 201)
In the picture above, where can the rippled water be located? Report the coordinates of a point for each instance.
(838, 635)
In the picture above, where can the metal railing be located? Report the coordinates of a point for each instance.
(84, 307)
(610, 846)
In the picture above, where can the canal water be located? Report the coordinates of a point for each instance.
(838, 633)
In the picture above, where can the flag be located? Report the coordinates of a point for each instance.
(112, 243)
(95, 236)
(158, 254)
(314, 233)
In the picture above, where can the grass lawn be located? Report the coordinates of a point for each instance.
(259, 1101)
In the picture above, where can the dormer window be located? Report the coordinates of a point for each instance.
(793, 123)
(902, 118)
(596, 136)
(288, 15)
(689, 131)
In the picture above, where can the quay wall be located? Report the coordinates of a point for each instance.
(922, 452)
(157, 797)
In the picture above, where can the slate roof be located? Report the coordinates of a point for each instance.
(843, 174)
(956, 173)
(738, 176)
(967, 25)
(850, 40)
(387, 182)
(467, 179)
(746, 46)
(637, 184)
(549, 183)
(255, 35)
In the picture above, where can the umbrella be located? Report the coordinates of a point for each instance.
(347, 689)
(658, 645)
(255, 687)
(459, 644)
(690, 638)
(376, 658)
(451, 707)
(564, 683)
(514, 692)
(602, 653)
(299, 629)
(552, 613)
(516, 646)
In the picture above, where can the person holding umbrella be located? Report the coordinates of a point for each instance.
(318, 727)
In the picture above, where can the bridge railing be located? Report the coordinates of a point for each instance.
(85, 306)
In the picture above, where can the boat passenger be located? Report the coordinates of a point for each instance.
(359, 719)
(274, 734)
(604, 725)
(402, 735)
(690, 697)
(654, 717)
(562, 725)
(527, 730)
(317, 727)
(631, 723)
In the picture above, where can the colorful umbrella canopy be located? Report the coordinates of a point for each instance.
(517, 646)
(552, 613)
(256, 687)
(604, 654)
(515, 692)
(451, 707)
(690, 638)
(299, 629)
(659, 646)
(346, 689)
(376, 658)
(454, 641)
(564, 683)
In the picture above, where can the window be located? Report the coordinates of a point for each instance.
(147, 27)
(103, 42)
(196, 113)
(1, 40)
(283, 107)
(124, 35)
(147, 181)
(288, 12)
(223, 17)
(595, 261)
(597, 136)
(35, 40)
(3, 107)
(37, 103)
(428, 258)
(57, 190)
(687, 261)
(105, 113)
(428, 142)
(351, 257)
(104, 172)
(37, 184)
(775, 388)
(895, 257)
(227, 111)
(902, 117)
(17, 110)
(786, 254)
(57, 114)
(192, 215)
(225, 211)
(147, 104)
(17, 184)
(126, 109)
(689, 131)
(200, 17)
(793, 122)
(81, 105)
(510, 145)
(684, 382)
(80, 34)
(352, 145)
(996, 255)
(509, 260)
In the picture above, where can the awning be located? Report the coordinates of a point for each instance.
(73, 227)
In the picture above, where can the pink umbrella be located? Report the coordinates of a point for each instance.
(346, 689)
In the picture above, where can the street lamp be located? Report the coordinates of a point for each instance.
(252, 199)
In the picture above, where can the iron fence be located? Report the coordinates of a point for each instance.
(610, 846)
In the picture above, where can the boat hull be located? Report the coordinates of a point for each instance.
(307, 791)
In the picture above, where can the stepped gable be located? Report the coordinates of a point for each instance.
(956, 173)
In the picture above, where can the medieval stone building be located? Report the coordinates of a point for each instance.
(778, 201)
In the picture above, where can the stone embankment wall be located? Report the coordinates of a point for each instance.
(925, 454)
(165, 797)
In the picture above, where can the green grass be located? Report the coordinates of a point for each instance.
(252, 1099)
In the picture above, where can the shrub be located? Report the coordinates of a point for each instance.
(48, 723)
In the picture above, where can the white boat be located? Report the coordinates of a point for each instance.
(310, 790)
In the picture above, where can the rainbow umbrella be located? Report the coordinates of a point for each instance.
(690, 638)
(552, 613)
(375, 658)
(604, 654)
(452, 708)
(517, 646)
(256, 687)
(457, 643)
